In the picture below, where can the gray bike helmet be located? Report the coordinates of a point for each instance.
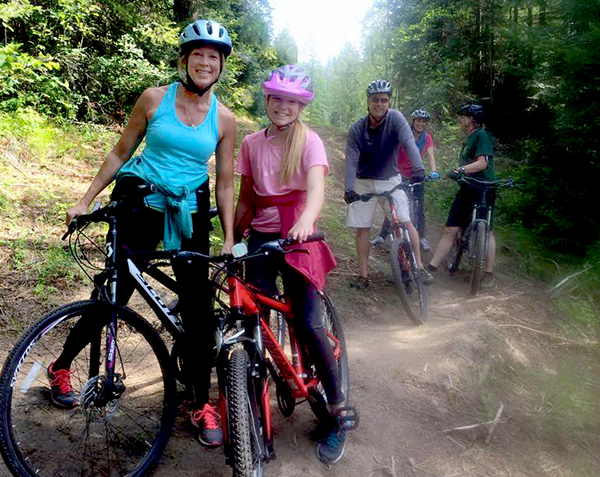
(205, 33)
(471, 109)
(379, 86)
(420, 114)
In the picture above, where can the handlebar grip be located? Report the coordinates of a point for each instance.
(318, 236)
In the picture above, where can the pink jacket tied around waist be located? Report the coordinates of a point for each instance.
(315, 265)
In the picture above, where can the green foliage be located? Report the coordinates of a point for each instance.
(91, 59)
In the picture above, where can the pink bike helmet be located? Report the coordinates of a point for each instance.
(289, 81)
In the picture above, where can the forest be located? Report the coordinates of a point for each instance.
(531, 63)
(71, 71)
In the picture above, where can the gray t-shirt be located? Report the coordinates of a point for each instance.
(373, 153)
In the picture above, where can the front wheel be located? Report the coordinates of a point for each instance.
(245, 431)
(407, 279)
(122, 435)
(478, 248)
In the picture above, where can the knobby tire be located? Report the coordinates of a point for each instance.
(242, 419)
(407, 280)
(478, 250)
(333, 326)
(124, 437)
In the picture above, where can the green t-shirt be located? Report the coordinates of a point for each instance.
(479, 144)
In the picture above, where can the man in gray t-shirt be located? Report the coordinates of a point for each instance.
(372, 166)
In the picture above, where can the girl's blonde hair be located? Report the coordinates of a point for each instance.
(292, 153)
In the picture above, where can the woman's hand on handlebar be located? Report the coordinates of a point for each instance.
(77, 209)
(226, 247)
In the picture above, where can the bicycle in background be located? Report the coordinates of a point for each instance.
(405, 270)
(473, 240)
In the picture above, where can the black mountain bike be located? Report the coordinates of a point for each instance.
(473, 240)
(124, 375)
(406, 273)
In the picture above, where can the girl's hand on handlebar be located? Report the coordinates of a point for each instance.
(77, 209)
(301, 230)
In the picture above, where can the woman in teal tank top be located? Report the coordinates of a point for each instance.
(183, 125)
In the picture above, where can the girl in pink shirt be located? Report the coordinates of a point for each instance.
(283, 170)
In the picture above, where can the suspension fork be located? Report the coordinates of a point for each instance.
(108, 387)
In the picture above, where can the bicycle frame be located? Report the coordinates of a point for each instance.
(248, 301)
(248, 304)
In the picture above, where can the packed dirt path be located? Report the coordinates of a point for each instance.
(416, 388)
(401, 383)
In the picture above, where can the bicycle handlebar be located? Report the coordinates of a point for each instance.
(278, 246)
(104, 213)
(477, 183)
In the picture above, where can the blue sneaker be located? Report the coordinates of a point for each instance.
(331, 449)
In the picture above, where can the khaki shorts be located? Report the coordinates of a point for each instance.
(361, 214)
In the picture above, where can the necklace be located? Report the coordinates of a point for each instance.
(189, 116)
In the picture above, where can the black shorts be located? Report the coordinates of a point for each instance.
(461, 210)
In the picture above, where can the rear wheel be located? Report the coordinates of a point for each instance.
(408, 281)
(334, 331)
(121, 435)
(478, 244)
(246, 434)
(455, 255)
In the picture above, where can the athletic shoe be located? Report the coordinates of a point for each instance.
(425, 245)
(331, 449)
(61, 391)
(207, 421)
(488, 281)
(378, 241)
(427, 277)
(360, 283)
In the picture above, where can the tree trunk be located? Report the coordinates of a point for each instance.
(182, 10)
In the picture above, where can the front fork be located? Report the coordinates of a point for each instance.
(251, 339)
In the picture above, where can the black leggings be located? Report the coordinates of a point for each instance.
(141, 229)
(306, 305)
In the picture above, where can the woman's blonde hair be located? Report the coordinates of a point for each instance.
(292, 153)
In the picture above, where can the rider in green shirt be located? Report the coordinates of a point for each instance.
(476, 160)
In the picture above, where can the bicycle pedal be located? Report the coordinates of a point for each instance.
(349, 418)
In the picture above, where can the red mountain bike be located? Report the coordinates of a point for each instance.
(250, 347)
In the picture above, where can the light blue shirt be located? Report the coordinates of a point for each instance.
(175, 161)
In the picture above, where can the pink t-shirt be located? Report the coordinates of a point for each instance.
(259, 159)
(404, 162)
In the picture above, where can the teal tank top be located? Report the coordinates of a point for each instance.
(175, 160)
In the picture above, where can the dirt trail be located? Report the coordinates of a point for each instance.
(411, 385)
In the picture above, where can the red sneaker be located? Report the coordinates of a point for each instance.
(207, 421)
(61, 391)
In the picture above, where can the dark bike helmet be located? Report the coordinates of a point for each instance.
(471, 109)
(420, 114)
(379, 86)
(205, 33)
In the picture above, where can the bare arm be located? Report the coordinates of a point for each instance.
(224, 191)
(431, 159)
(130, 139)
(479, 164)
(314, 203)
(243, 203)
